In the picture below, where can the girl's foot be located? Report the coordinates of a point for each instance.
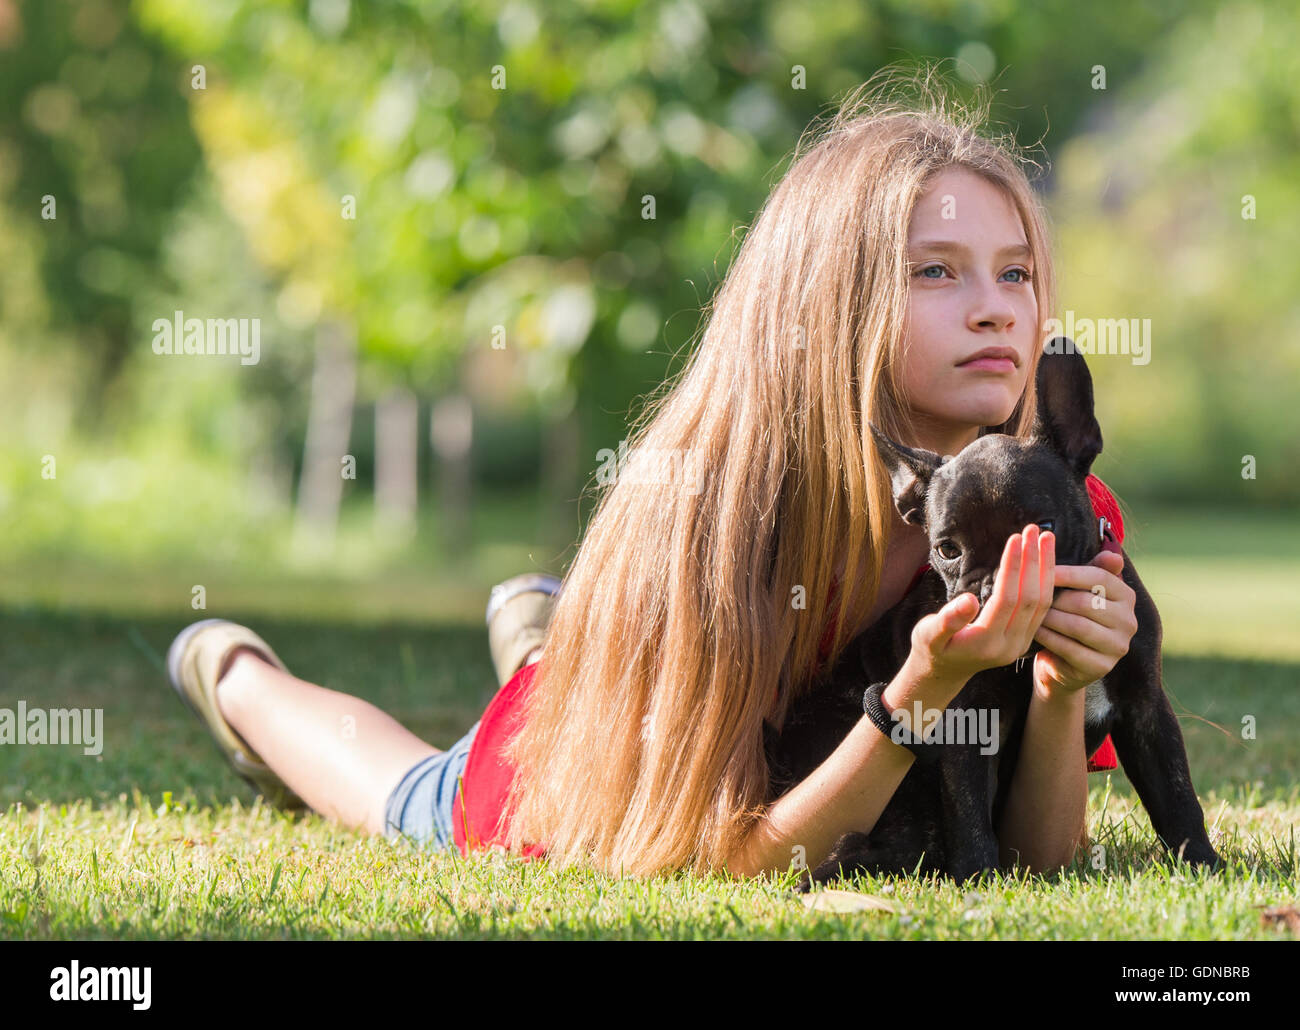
(196, 661)
(518, 613)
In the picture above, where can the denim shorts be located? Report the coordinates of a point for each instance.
(421, 805)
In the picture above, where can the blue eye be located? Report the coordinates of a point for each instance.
(930, 268)
(1025, 275)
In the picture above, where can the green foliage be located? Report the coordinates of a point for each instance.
(1153, 205)
(514, 216)
(92, 118)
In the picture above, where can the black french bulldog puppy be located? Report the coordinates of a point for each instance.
(943, 816)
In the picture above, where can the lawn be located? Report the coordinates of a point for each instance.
(156, 838)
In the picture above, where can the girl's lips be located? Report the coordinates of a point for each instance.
(1003, 365)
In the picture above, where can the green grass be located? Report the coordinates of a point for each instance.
(157, 838)
(132, 870)
(1225, 582)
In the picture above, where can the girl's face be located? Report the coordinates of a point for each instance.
(969, 290)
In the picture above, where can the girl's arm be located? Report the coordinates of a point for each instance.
(850, 790)
(847, 792)
(1045, 816)
(1044, 823)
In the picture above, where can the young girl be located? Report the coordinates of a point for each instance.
(899, 273)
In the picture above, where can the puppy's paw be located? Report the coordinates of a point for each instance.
(1209, 861)
(1198, 854)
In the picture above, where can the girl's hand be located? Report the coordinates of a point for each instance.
(1085, 632)
(951, 648)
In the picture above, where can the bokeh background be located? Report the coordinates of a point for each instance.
(437, 212)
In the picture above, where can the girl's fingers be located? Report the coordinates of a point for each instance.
(1071, 651)
(1078, 628)
(1046, 577)
(952, 617)
(935, 632)
(1001, 606)
(1097, 607)
(1026, 611)
(1047, 571)
(1085, 577)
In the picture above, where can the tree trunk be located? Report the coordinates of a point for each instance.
(451, 431)
(329, 425)
(558, 522)
(396, 462)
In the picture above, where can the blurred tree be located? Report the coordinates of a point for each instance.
(528, 205)
(89, 120)
(1176, 207)
(550, 193)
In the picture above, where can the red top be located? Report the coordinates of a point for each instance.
(485, 783)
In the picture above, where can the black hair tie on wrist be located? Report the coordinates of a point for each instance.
(874, 707)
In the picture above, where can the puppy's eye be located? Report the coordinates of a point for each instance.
(1048, 525)
(948, 550)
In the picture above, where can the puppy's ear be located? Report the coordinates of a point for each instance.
(1064, 419)
(910, 469)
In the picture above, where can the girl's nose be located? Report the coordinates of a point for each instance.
(992, 310)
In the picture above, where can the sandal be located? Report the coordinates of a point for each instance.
(194, 663)
(518, 613)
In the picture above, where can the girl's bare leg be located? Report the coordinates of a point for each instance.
(342, 755)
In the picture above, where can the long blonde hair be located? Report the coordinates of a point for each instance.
(694, 607)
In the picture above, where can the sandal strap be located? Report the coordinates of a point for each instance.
(193, 662)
